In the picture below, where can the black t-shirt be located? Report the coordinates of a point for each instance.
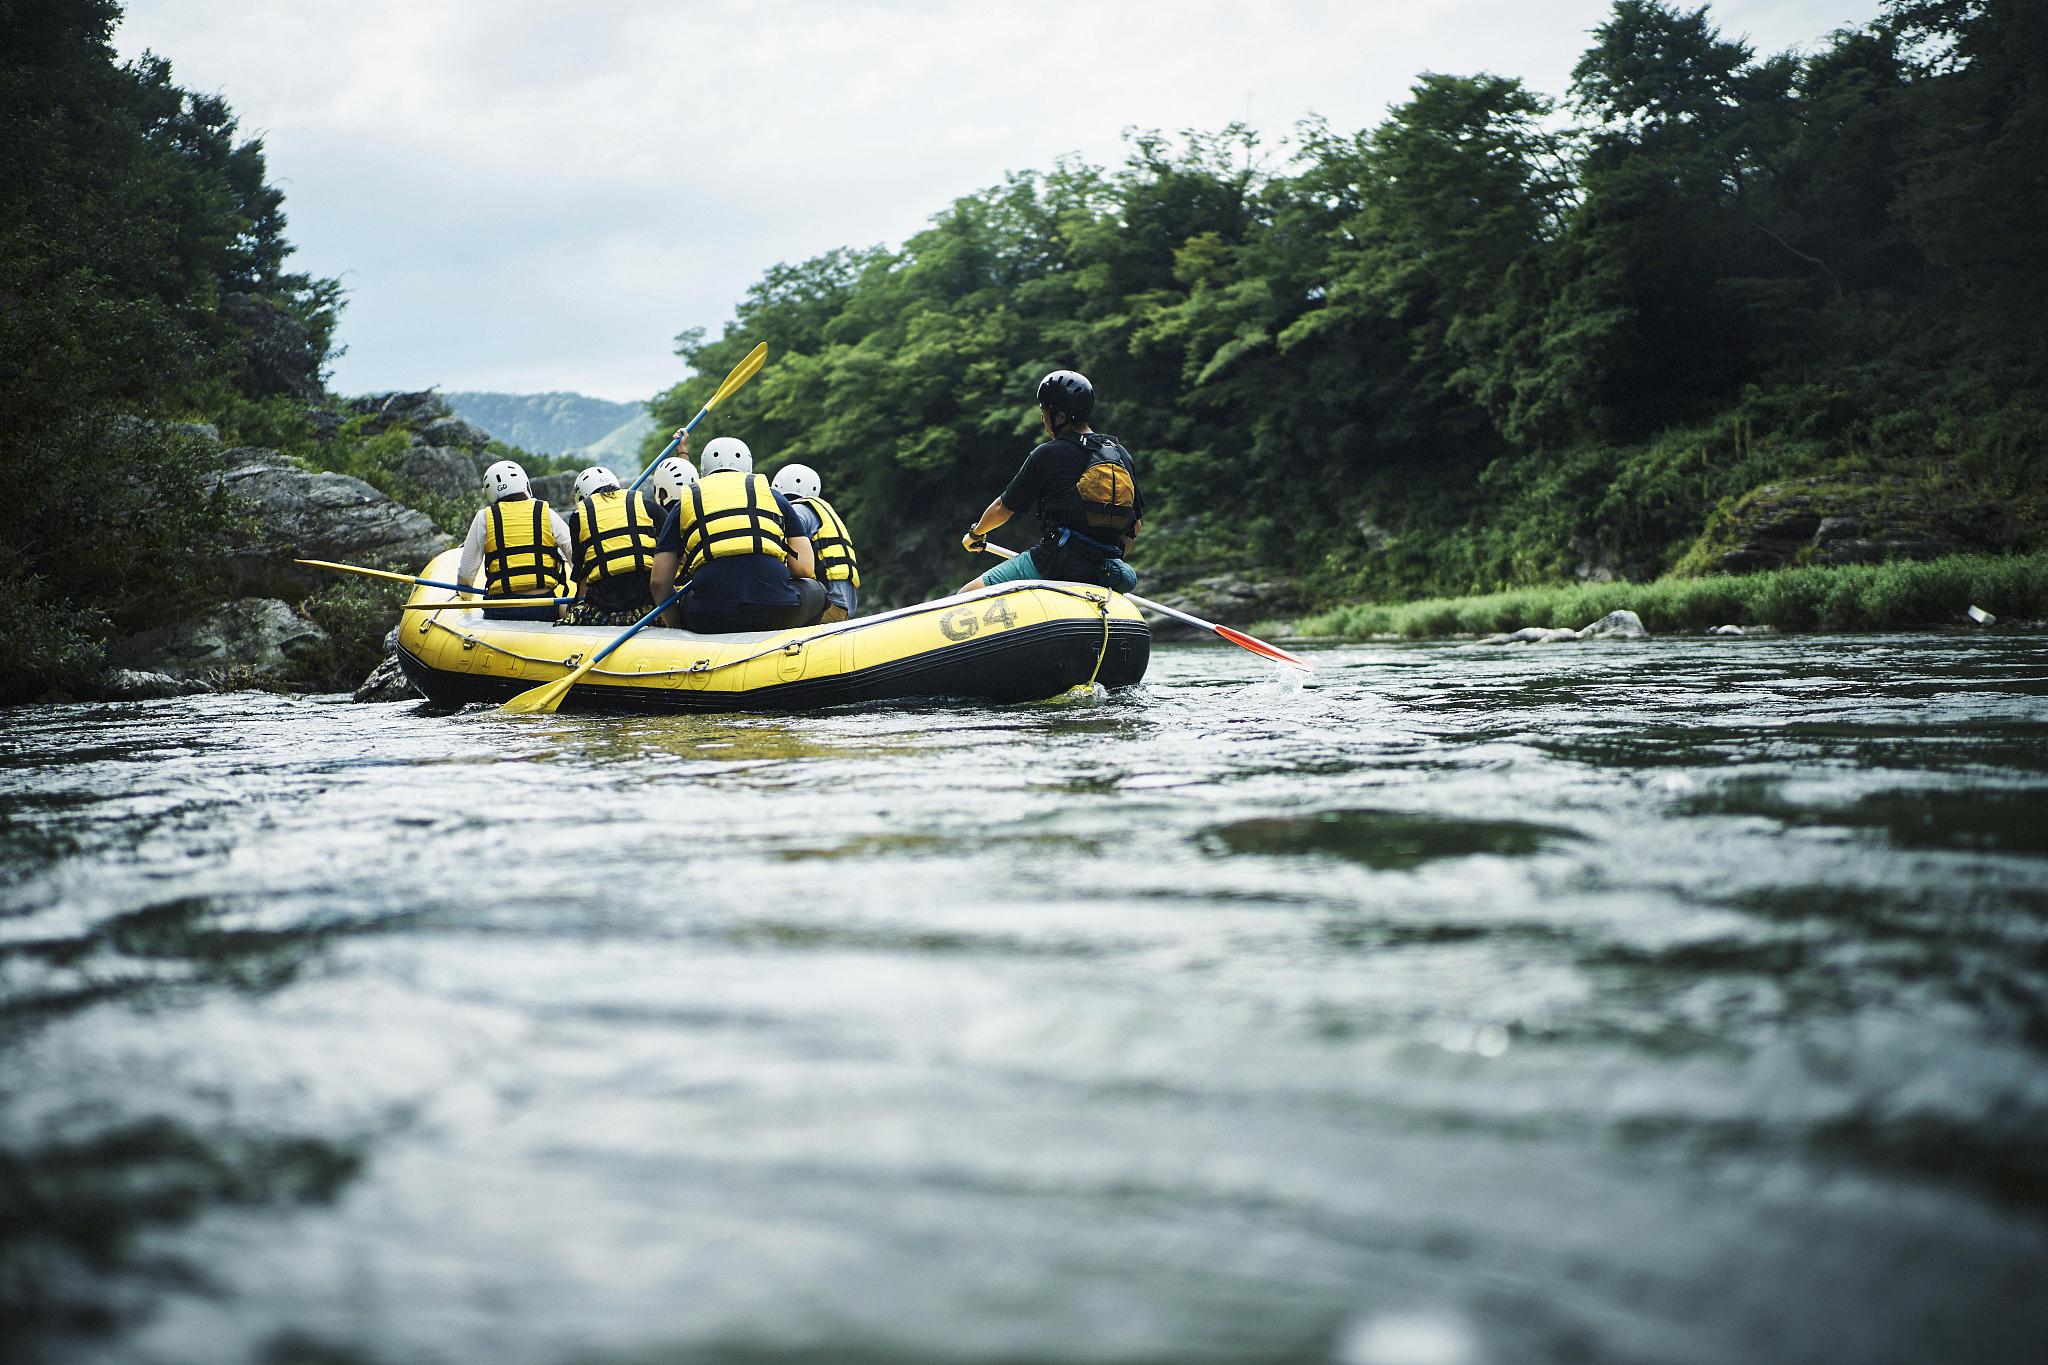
(738, 580)
(1053, 467)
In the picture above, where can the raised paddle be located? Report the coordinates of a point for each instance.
(1236, 637)
(544, 699)
(741, 373)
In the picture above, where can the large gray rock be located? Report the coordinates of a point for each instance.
(387, 682)
(453, 431)
(447, 470)
(557, 491)
(1532, 635)
(387, 410)
(128, 684)
(250, 638)
(1615, 625)
(295, 514)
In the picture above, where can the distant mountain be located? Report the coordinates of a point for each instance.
(557, 423)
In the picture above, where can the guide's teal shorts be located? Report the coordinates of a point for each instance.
(1116, 574)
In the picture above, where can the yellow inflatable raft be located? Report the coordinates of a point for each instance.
(1011, 642)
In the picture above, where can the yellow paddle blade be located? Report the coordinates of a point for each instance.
(354, 568)
(741, 373)
(543, 700)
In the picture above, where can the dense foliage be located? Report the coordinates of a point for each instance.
(1486, 343)
(142, 277)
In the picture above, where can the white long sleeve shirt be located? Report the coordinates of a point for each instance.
(473, 545)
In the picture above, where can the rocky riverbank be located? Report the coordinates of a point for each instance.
(272, 623)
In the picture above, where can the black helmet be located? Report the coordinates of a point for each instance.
(1069, 392)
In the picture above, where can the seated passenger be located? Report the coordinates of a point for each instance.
(831, 546)
(612, 546)
(518, 541)
(742, 547)
(1084, 486)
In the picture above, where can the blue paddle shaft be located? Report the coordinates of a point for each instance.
(643, 622)
(669, 449)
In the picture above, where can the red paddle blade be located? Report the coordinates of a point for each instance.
(1258, 646)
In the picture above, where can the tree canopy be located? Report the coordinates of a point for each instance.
(1458, 350)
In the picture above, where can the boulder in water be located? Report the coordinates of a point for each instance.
(129, 684)
(1615, 625)
(1532, 635)
(387, 682)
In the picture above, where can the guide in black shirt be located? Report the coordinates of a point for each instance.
(1083, 486)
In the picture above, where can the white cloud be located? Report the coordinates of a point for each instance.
(540, 194)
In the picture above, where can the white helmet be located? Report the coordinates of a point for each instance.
(670, 478)
(505, 479)
(728, 452)
(595, 480)
(797, 481)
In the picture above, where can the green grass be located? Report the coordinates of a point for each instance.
(1896, 596)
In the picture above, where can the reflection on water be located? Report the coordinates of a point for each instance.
(1684, 1001)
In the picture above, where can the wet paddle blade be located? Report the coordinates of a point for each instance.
(1258, 646)
(545, 699)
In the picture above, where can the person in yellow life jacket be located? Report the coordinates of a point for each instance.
(742, 548)
(521, 545)
(1083, 485)
(831, 546)
(611, 545)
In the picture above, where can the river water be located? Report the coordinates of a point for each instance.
(1673, 1001)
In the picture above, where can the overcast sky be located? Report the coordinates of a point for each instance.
(524, 195)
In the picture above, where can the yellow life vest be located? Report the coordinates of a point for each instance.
(831, 545)
(615, 534)
(729, 513)
(521, 558)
